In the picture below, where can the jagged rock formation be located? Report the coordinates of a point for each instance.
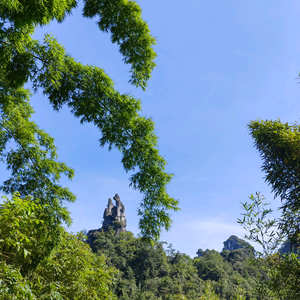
(234, 243)
(114, 215)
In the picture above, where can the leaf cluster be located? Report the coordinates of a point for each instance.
(282, 270)
(261, 229)
(30, 155)
(122, 18)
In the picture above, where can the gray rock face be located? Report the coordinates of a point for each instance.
(234, 243)
(114, 215)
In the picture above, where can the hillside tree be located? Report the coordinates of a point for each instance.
(279, 147)
(90, 95)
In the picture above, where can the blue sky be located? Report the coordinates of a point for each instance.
(220, 64)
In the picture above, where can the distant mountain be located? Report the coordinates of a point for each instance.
(286, 247)
(234, 243)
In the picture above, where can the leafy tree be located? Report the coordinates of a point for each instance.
(91, 96)
(27, 233)
(283, 270)
(261, 230)
(18, 219)
(12, 284)
(211, 266)
(70, 271)
(30, 156)
(74, 272)
(209, 292)
(279, 147)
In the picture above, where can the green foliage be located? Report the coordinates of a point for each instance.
(228, 271)
(209, 293)
(28, 233)
(283, 271)
(261, 230)
(122, 266)
(23, 13)
(38, 259)
(74, 272)
(33, 160)
(279, 144)
(12, 284)
(123, 19)
(90, 95)
(147, 272)
(279, 147)
(31, 268)
(118, 224)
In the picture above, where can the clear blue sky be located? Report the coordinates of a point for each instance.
(220, 64)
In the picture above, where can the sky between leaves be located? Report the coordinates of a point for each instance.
(220, 64)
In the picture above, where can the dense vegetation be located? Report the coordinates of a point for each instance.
(119, 265)
(147, 272)
(125, 267)
(32, 268)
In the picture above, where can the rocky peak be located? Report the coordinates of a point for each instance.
(234, 243)
(114, 215)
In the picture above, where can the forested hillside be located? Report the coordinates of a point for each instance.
(147, 272)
